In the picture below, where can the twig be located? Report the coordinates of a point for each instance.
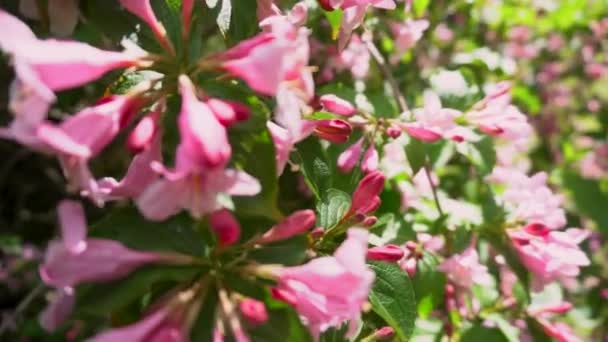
(427, 172)
(387, 73)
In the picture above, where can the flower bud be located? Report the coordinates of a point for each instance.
(348, 159)
(317, 233)
(333, 130)
(393, 132)
(142, 135)
(370, 160)
(560, 308)
(385, 253)
(384, 334)
(228, 112)
(410, 267)
(254, 311)
(297, 223)
(336, 105)
(326, 5)
(370, 221)
(365, 197)
(225, 226)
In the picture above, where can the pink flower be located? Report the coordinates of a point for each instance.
(160, 325)
(284, 141)
(349, 158)
(354, 13)
(406, 35)
(560, 331)
(253, 310)
(434, 122)
(336, 105)
(330, 290)
(58, 310)
(355, 57)
(385, 253)
(197, 192)
(370, 160)
(295, 224)
(550, 255)
(464, 269)
(266, 8)
(204, 140)
(365, 198)
(143, 10)
(77, 260)
(225, 226)
(228, 112)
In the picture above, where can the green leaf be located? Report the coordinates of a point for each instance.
(420, 6)
(429, 285)
(254, 153)
(282, 325)
(392, 298)
(105, 298)
(481, 154)
(479, 333)
(509, 331)
(315, 166)
(243, 21)
(288, 252)
(129, 227)
(335, 19)
(202, 329)
(416, 154)
(332, 208)
(588, 198)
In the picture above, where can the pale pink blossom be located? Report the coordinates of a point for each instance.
(406, 35)
(354, 13)
(328, 291)
(464, 269)
(58, 311)
(284, 141)
(76, 259)
(159, 325)
(350, 157)
(370, 160)
(337, 105)
(433, 122)
(550, 255)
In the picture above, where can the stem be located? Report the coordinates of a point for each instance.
(387, 73)
(427, 172)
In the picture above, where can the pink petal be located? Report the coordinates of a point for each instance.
(73, 225)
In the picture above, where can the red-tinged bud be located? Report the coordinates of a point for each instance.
(254, 311)
(370, 160)
(142, 135)
(384, 334)
(537, 229)
(334, 130)
(370, 221)
(365, 197)
(385, 253)
(317, 233)
(410, 267)
(349, 158)
(228, 112)
(336, 105)
(283, 296)
(297, 223)
(560, 308)
(326, 5)
(393, 132)
(449, 290)
(225, 226)
(187, 7)
(411, 245)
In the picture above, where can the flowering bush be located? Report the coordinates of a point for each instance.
(331, 170)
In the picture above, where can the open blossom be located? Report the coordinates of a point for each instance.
(329, 290)
(76, 259)
(44, 66)
(406, 35)
(550, 255)
(528, 198)
(432, 122)
(200, 175)
(159, 325)
(464, 269)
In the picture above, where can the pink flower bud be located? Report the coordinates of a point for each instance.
(333, 130)
(225, 226)
(143, 134)
(336, 105)
(317, 233)
(365, 196)
(385, 253)
(326, 5)
(410, 267)
(348, 159)
(393, 132)
(370, 160)
(560, 308)
(254, 311)
(370, 221)
(297, 223)
(384, 334)
(228, 112)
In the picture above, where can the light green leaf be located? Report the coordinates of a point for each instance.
(392, 298)
(332, 207)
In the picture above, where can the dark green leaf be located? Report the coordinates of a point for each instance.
(479, 333)
(392, 298)
(429, 285)
(588, 198)
(332, 207)
(315, 166)
(416, 154)
(289, 252)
